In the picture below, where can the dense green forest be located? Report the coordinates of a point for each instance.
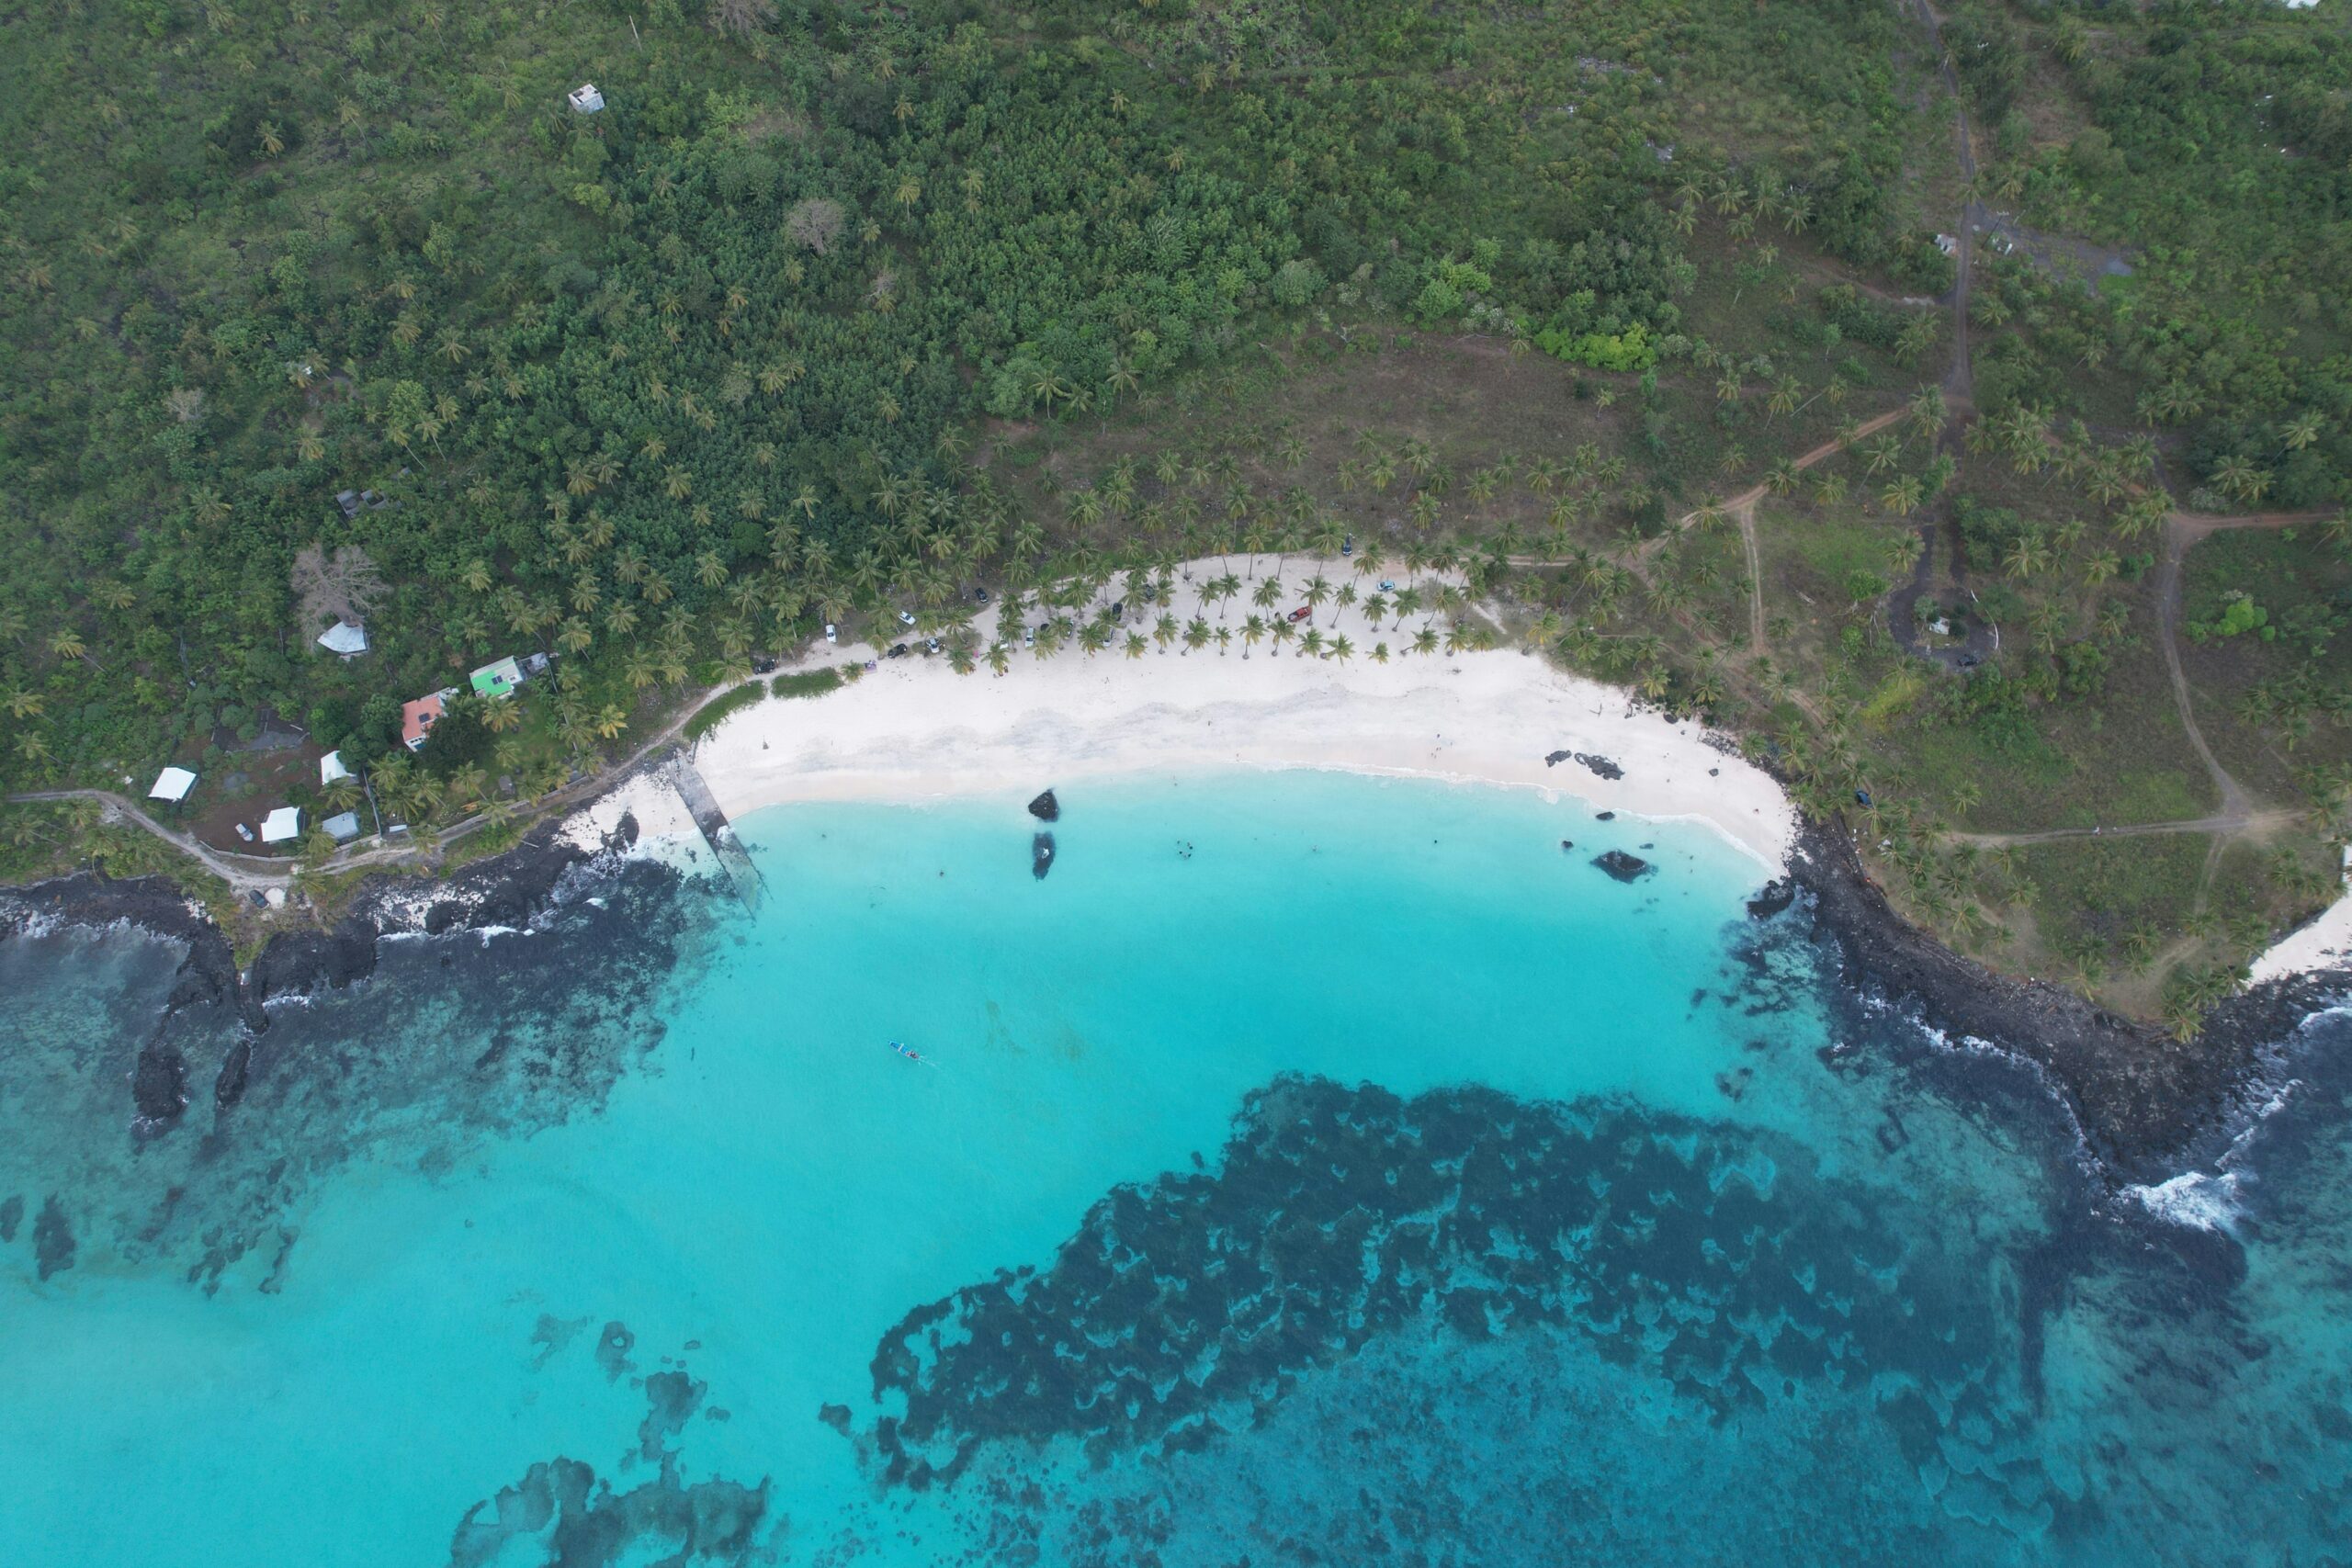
(835, 309)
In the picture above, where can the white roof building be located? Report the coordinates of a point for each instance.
(585, 99)
(342, 829)
(281, 825)
(344, 638)
(331, 767)
(172, 783)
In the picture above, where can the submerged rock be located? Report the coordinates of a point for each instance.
(12, 1213)
(229, 1085)
(612, 1350)
(1041, 855)
(1771, 898)
(1622, 866)
(159, 1087)
(53, 1245)
(1046, 808)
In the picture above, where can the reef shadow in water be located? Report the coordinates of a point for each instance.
(562, 1514)
(1719, 1260)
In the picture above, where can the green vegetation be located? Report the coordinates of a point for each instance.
(715, 712)
(808, 682)
(1610, 324)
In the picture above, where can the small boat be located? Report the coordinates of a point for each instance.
(910, 1055)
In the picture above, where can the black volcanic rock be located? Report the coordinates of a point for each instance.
(1622, 866)
(1771, 898)
(159, 1087)
(229, 1084)
(1041, 855)
(296, 962)
(1046, 808)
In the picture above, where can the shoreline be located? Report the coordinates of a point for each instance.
(914, 730)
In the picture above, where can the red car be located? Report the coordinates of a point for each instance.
(1301, 612)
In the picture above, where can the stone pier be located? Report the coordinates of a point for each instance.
(717, 832)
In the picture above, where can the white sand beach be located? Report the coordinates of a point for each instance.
(2324, 943)
(912, 728)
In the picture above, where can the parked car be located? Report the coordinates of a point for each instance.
(245, 833)
(761, 664)
(1118, 609)
(980, 595)
(906, 618)
(897, 650)
(1028, 640)
(1348, 544)
(930, 646)
(832, 634)
(1387, 586)
(1301, 612)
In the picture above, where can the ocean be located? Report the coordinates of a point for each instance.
(1310, 1169)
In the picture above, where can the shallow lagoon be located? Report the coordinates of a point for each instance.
(1314, 1168)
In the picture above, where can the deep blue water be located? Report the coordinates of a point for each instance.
(1311, 1169)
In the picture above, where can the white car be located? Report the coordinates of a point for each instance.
(905, 618)
(831, 634)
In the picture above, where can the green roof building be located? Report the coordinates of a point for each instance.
(497, 679)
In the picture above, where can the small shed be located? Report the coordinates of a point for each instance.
(585, 99)
(344, 639)
(282, 825)
(331, 768)
(417, 720)
(343, 828)
(497, 679)
(172, 784)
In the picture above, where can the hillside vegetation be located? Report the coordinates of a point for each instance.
(837, 310)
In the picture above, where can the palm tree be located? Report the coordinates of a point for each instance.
(1252, 630)
(1163, 630)
(1926, 411)
(1425, 640)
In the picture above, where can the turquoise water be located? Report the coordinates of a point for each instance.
(1310, 1169)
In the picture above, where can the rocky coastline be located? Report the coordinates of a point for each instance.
(504, 891)
(2146, 1103)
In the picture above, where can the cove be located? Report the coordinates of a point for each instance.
(1312, 1168)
